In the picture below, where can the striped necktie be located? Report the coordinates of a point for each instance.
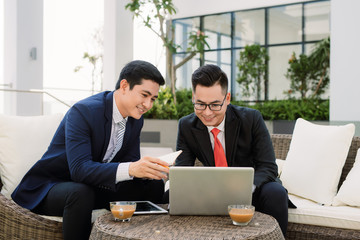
(119, 138)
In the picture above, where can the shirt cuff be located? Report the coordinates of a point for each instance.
(122, 173)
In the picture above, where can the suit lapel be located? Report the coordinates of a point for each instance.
(232, 128)
(108, 121)
(201, 135)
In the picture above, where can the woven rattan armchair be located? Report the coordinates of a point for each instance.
(17, 223)
(281, 143)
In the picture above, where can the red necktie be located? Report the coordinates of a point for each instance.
(219, 154)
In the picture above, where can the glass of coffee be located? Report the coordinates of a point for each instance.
(122, 211)
(241, 215)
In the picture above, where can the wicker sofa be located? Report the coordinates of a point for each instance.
(19, 223)
(281, 143)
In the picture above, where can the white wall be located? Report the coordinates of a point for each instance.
(344, 70)
(118, 40)
(188, 8)
(23, 30)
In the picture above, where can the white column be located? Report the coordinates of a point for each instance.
(23, 32)
(118, 40)
(344, 70)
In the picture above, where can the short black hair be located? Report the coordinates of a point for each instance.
(137, 70)
(209, 75)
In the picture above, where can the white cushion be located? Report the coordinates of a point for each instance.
(315, 160)
(349, 192)
(95, 214)
(23, 140)
(309, 212)
(280, 163)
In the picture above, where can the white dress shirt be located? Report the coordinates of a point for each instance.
(220, 136)
(122, 173)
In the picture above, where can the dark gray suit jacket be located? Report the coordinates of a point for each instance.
(247, 141)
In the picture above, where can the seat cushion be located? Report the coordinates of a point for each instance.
(95, 214)
(310, 212)
(23, 141)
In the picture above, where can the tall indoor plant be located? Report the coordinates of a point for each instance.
(252, 67)
(309, 75)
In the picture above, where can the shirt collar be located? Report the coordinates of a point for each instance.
(117, 117)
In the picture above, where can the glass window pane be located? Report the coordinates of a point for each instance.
(278, 65)
(309, 48)
(218, 28)
(238, 89)
(249, 28)
(183, 74)
(183, 28)
(317, 23)
(221, 59)
(285, 24)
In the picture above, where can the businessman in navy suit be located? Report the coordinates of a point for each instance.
(243, 138)
(81, 169)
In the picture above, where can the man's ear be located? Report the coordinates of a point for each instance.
(228, 98)
(124, 84)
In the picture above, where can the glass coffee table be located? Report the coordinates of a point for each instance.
(165, 226)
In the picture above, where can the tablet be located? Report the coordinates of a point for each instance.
(147, 207)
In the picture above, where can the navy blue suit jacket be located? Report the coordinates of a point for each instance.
(77, 150)
(247, 141)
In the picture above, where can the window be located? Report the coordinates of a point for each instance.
(218, 28)
(285, 24)
(317, 25)
(282, 30)
(249, 28)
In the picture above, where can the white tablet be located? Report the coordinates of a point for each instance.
(147, 207)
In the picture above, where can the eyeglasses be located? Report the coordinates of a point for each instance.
(212, 106)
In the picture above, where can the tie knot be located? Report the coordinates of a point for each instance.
(215, 132)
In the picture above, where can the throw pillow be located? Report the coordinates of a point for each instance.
(23, 140)
(315, 160)
(280, 164)
(349, 191)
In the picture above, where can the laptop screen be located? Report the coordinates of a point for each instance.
(208, 190)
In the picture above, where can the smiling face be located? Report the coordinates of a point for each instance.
(210, 95)
(137, 101)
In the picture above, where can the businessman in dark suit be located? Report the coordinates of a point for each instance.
(242, 140)
(94, 156)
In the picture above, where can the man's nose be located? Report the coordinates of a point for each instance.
(147, 103)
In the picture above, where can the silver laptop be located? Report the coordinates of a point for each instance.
(209, 190)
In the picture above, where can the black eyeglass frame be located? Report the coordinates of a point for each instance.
(203, 106)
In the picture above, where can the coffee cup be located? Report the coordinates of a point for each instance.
(241, 215)
(122, 211)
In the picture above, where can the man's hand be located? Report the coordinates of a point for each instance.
(149, 167)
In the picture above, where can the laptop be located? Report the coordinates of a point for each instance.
(208, 190)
